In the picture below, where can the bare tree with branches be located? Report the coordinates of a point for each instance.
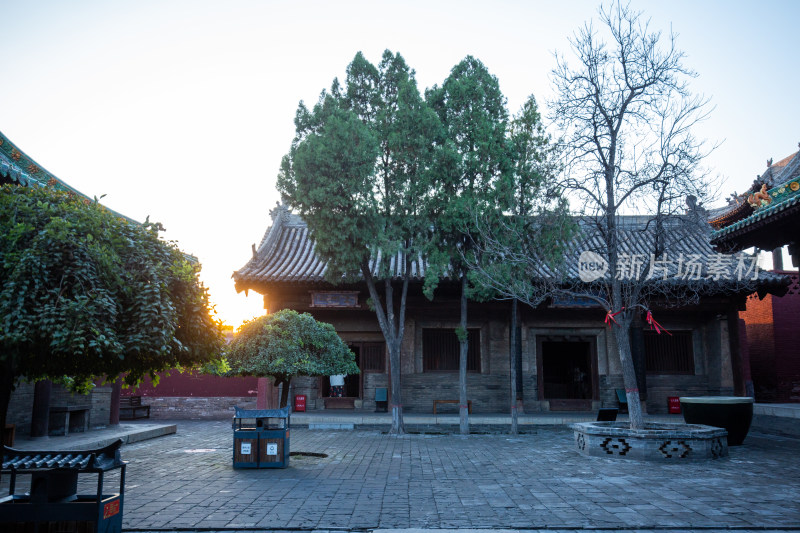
(627, 114)
(631, 163)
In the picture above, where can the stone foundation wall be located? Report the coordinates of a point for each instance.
(196, 408)
(19, 410)
(661, 387)
(607, 389)
(489, 393)
(21, 406)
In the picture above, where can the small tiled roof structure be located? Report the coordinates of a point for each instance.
(770, 220)
(286, 253)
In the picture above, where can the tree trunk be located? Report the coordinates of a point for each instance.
(398, 427)
(284, 391)
(40, 415)
(116, 390)
(513, 366)
(393, 334)
(463, 344)
(622, 336)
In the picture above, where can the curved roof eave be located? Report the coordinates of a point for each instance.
(19, 167)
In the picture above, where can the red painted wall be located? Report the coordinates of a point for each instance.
(193, 384)
(786, 317)
(773, 343)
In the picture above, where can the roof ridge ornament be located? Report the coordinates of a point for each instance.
(279, 212)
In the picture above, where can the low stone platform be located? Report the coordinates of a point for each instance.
(656, 442)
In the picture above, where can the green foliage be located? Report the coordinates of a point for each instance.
(86, 293)
(328, 176)
(357, 170)
(521, 254)
(287, 344)
(472, 167)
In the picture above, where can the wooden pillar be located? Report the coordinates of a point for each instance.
(777, 258)
(261, 400)
(637, 354)
(737, 364)
(40, 415)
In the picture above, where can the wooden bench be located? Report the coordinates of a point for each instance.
(131, 408)
(437, 402)
(76, 418)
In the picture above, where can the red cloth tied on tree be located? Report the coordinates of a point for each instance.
(655, 325)
(610, 317)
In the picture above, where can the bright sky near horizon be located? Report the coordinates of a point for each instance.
(181, 110)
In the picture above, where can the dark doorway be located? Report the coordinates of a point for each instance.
(567, 374)
(370, 357)
(352, 384)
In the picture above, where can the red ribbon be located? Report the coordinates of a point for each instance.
(655, 325)
(610, 317)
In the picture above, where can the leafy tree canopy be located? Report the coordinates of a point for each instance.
(287, 344)
(86, 293)
(357, 168)
(473, 165)
(358, 172)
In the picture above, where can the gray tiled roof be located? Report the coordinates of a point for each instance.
(286, 253)
(784, 170)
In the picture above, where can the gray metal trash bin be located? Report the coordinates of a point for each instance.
(261, 438)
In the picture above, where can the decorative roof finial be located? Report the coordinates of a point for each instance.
(279, 212)
(769, 162)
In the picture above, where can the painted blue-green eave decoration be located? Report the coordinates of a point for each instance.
(17, 166)
(783, 197)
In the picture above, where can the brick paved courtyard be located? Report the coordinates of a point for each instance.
(371, 480)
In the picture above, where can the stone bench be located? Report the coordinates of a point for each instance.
(74, 418)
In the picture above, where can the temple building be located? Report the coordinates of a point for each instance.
(767, 217)
(566, 359)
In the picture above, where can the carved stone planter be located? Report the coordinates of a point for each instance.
(656, 442)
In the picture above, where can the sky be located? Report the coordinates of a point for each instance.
(181, 110)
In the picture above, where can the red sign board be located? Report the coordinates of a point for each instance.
(300, 402)
(110, 509)
(674, 404)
